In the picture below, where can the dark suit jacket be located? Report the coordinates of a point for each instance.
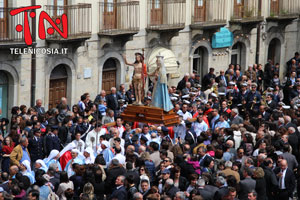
(246, 186)
(291, 160)
(206, 194)
(237, 120)
(172, 191)
(40, 111)
(289, 180)
(111, 103)
(35, 147)
(120, 194)
(221, 192)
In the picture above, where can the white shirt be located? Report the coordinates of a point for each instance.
(282, 179)
(121, 130)
(78, 147)
(199, 127)
(96, 136)
(185, 115)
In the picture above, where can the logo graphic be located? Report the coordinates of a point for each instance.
(41, 28)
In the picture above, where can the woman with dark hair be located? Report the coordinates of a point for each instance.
(179, 181)
(247, 144)
(8, 146)
(99, 184)
(65, 184)
(208, 165)
(77, 178)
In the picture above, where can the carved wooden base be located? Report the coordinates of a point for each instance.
(151, 115)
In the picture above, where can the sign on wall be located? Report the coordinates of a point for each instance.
(223, 38)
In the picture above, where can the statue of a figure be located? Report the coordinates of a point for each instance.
(160, 95)
(138, 77)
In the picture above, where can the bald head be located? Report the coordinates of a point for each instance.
(283, 164)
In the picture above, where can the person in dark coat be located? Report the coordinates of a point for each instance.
(52, 140)
(223, 189)
(114, 170)
(35, 146)
(112, 100)
(270, 178)
(170, 189)
(286, 181)
(260, 186)
(183, 81)
(119, 192)
(246, 185)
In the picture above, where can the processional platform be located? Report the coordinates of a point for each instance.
(147, 114)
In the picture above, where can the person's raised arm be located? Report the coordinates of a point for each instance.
(125, 60)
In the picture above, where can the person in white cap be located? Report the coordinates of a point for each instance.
(26, 171)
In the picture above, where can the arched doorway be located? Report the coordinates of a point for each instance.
(200, 61)
(109, 74)
(274, 50)
(3, 93)
(58, 85)
(238, 55)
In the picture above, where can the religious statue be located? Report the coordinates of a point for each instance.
(138, 79)
(160, 95)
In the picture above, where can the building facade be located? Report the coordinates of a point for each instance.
(101, 31)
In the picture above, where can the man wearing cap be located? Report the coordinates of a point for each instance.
(243, 92)
(36, 145)
(253, 98)
(165, 175)
(52, 140)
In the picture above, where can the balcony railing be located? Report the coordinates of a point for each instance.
(8, 25)
(209, 11)
(284, 8)
(119, 18)
(166, 14)
(79, 20)
(246, 10)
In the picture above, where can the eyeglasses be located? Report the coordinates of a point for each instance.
(142, 169)
(166, 161)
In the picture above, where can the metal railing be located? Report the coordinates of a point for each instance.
(79, 20)
(166, 14)
(8, 25)
(209, 11)
(119, 18)
(284, 7)
(246, 9)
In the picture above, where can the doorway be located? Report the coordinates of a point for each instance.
(109, 75)
(156, 12)
(3, 20)
(110, 14)
(274, 51)
(58, 85)
(200, 61)
(199, 15)
(238, 55)
(3, 94)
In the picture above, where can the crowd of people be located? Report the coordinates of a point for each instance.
(238, 138)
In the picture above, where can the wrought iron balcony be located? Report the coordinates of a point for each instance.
(166, 14)
(79, 21)
(119, 18)
(8, 23)
(209, 13)
(246, 11)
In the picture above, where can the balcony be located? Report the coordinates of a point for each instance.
(164, 15)
(207, 14)
(9, 37)
(284, 10)
(117, 19)
(79, 22)
(246, 12)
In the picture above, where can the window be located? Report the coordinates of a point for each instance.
(200, 3)
(157, 4)
(2, 5)
(110, 5)
(238, 1)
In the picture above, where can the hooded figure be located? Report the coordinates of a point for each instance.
(65, 155)
(53, 158)
(89, 157)
(40, 164)
(27, 172)
(76, 159)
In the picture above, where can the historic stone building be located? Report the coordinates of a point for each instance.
(100, 31)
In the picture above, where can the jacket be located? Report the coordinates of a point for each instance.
(16, 155)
